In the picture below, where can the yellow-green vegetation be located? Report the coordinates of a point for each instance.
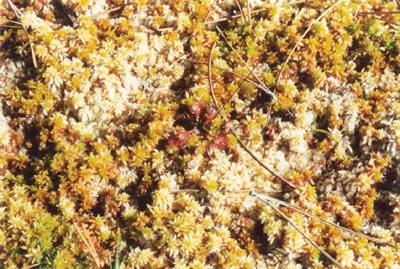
(129, 133)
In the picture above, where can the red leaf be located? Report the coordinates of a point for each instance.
(179, 139)
(220, 142)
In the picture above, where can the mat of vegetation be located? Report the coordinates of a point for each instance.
(132, 132)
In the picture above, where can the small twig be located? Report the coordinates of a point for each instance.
(241, 12)
(248, 12)
(11, 26)
(89, 245)
(210, 76)
(263, 87)
(288, 220)
(259, 161)
(182, 58)
(378, 12)
(280, 202)
(97, 15)
(303, 36)
(15, 9)
(235, 92)
(224, 191)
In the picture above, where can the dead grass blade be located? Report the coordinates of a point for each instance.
(288, 220)
(89, 244)
(241, 12)
(263, 86)
(378, 12)
(248, 12)
(259, 161)
(15, 9)
(280, 202)
(210, 77)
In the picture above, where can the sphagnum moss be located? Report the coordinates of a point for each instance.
(124, 125)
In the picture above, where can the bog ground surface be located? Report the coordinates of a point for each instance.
(132, 132)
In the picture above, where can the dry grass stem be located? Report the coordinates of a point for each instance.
(280, 202)
(89, 244)
(288, 220)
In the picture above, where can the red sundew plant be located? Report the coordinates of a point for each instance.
(197, 108)
(220, 142)
(179, 139)
(210, 114)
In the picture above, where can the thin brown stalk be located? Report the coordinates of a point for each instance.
(248, 12)
(288, 220)
(15, 9)
(224, 191)
(233, 94)
(89, 244)
(259, 161)
(304, 35)
(233, 132)
(182, 58)
(105, 12)
(11, 26)
(264, 87)
(241, 11)
(280, 202)
(378, 12)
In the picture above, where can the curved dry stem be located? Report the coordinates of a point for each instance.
(234, 93)
(89, 245)
(263, 86)
(280, 202)
(241, 12)
(259, 161)
(233, 132)
(210, 77)
(288, 220)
